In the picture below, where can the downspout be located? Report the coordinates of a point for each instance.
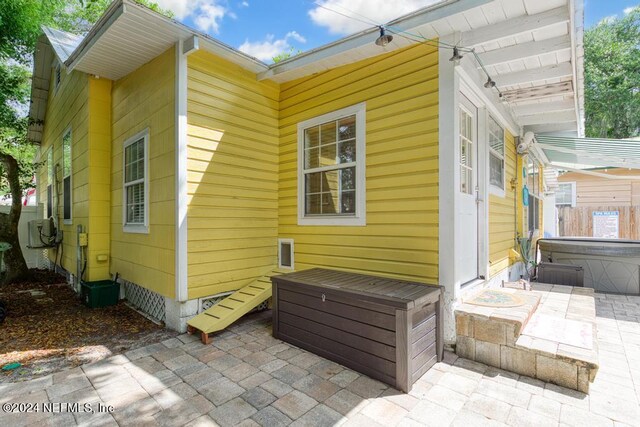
(181, 291)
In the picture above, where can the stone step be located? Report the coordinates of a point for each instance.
(552, 336)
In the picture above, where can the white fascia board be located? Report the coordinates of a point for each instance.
(514, 27)
(550, 117)
(543, 107)
(565, 128)
(406, 23)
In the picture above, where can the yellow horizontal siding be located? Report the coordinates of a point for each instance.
(502, 214)
(232, 174)
(401, 236)
(67, 107)
(146, 99)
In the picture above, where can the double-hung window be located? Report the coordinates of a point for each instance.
(135, 187)
(566, 194)
(331, 162)
(496, 155)
(66, 177)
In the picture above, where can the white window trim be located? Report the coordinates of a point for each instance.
(573, 194)
(500, 192)
(136, 228)
(290, 242)
(359, 219)
(68, 221)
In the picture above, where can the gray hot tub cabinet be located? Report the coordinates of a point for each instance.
(609, 265)
(385, 328)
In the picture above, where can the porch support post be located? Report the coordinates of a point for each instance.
(448, 185)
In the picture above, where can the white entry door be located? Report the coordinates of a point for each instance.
(467, 248)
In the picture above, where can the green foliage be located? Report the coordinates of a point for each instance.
(20, 22)
(14, 95)
(612, 77)
(20, 27)
(286, 54)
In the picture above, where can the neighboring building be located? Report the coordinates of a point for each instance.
(186, 161)
(577, 189)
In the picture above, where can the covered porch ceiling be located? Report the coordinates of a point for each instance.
(532, 49)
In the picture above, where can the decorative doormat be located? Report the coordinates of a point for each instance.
(495, 298)
(563, 331)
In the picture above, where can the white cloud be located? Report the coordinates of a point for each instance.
(244, 4)
(206, 14)
(209, 17)
(628, 10)
(268, 48)
(372, 12)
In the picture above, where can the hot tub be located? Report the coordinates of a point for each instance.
(609, 265)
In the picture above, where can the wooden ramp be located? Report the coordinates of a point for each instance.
(233, 307)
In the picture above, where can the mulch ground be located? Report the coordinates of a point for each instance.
(48, 329)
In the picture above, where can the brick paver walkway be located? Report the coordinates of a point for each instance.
(248, 378)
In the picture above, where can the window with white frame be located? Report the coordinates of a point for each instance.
(66, 177)
(496, 153)
(135, 183)
(331, 168)
(566, 194)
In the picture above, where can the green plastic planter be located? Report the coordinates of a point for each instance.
(101, 293)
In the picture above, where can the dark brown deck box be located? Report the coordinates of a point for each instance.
(385, 328)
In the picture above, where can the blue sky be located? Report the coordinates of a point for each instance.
(264, 28)
(596, 10)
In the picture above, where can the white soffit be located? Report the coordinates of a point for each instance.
(129, 35)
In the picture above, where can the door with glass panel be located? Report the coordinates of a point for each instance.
(467, 238)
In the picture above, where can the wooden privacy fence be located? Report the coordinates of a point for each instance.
(578, 222)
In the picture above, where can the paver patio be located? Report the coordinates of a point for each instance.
(246, 377)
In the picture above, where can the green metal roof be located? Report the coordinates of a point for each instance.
(590, 152)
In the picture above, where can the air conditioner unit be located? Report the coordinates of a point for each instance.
(42, 233)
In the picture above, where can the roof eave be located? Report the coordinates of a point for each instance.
(121, 7)
(406, 22)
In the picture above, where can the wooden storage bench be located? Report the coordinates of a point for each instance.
(388, 329)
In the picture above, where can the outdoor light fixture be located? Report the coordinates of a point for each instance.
(490, 83)
(456, 55)
(384, 38)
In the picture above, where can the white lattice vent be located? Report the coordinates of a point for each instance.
(145, 300)
(208, 302)
(43, 260)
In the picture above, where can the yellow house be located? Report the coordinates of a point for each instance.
(195, 169)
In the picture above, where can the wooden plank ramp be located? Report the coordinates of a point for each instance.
(233, 307)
